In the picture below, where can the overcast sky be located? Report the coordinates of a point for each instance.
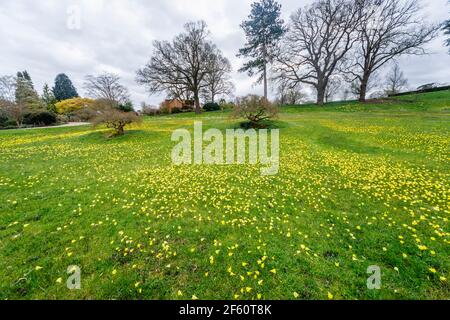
(44, 38)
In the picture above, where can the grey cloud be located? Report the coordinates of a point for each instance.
(117, 35)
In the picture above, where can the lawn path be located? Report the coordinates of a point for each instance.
(68, 125)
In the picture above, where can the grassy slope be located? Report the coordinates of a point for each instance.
(359, 186)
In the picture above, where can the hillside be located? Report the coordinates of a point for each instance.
(358, 186)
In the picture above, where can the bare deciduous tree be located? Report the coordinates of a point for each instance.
(318, 40)
(396, 81)
(218, 80)
(179, 91)
(289, 95)
(255, 109)
(108, 113)
(8, 88)
(106, 86)
(446, 28)
(334, 85)
(355, 85)
(387, 30)
(183, 63)
(13, 111)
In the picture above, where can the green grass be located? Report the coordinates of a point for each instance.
(359, 185)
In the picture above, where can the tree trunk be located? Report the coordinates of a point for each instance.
(120, 131)
(198, 109)
(320, 96)
(265, 81)
(363, 89)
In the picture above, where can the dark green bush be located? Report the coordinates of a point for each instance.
(176, 110)
(10, 124)
(40, 118)
(187, 108)
(211, 106)
(227, 106)
(3, 120)
(126, 107)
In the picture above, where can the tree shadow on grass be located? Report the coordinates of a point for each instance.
(102, 136)
(335, 140)
(267, 124)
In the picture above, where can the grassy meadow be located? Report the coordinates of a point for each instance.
(359, 185)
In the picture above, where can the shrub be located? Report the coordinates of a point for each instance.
(211, 106)
(71, 105)
(176, 110)
(3, 114)
(10, 124)
(150, 111)
(127, 107)
(3, 120)
(227, 106)
(115, 119)
(90, 111)
(14, 112)
(255, 109)
(82, 115)
(60, 118)
(104, 104)
(40, 118)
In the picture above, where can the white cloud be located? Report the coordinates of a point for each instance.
(117, 35)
